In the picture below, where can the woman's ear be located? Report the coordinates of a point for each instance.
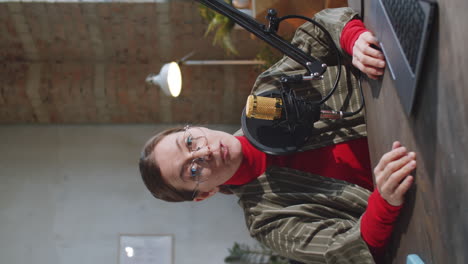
(204, 195)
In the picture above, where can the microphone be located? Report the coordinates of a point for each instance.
(266, 108)
(273, 108)
(279, 123)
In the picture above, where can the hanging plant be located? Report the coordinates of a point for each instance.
(221, 26)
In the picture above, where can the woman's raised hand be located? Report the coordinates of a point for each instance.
(392, 174)
(367, 59)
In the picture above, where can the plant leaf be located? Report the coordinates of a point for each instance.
(221, 26)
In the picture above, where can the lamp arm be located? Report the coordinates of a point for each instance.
(268, 34)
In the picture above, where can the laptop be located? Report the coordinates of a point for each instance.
(402, 28)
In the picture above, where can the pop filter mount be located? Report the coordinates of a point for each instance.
(288, 133)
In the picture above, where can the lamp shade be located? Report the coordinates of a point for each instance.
(169, 79)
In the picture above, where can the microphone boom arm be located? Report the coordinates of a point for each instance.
(268, 34)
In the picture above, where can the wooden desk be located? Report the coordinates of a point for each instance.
(434, 221)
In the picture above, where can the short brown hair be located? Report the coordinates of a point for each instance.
(151, 173)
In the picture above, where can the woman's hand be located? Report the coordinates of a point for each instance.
(369, 60)
(392, 174)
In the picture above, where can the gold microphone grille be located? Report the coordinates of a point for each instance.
(263, 107)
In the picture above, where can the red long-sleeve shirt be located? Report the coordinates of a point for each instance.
(350, 34)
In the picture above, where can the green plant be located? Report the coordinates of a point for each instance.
(269, 55)
(244, 254)
(221, 26)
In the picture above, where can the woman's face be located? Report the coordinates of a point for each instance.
(208, 156)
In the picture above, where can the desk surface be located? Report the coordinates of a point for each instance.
(434, 221)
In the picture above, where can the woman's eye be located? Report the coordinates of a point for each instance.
(196, 169)
(193, 171)
(189, 141)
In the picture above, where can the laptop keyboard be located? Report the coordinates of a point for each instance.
(407, 18)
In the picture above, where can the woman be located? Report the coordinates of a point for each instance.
(318, 205)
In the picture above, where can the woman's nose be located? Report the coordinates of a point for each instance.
(204, 152)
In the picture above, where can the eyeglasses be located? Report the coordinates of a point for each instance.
(195, 139)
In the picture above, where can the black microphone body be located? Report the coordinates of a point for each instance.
(299, 112)
(281, 128)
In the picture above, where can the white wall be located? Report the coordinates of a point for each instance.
(67, 192)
